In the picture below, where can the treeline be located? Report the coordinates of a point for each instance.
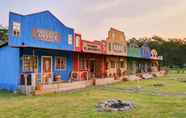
(172, 50)
(3, 35)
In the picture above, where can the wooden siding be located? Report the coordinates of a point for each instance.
(44, 21)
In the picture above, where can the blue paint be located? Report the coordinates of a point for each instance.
(43, 20)
(9, 68)
(53, 53)
(11, 58)
(145, 51)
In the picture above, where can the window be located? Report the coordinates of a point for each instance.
(60, 63)
(83, 64)
(112, 64)
(110, 46)
(125, 49)
(70, 40)
(16, 29)
(122, 64)
(77, 41)
(29, 64)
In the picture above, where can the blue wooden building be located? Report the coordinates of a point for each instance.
(145, 63)
(40, 46)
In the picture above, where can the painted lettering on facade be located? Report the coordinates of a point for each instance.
(116, 43)
(118, 48)
(45, 35)
(92, 47)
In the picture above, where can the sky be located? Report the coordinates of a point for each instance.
(93, 18)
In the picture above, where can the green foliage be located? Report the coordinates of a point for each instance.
(3, 35)
(172, 50)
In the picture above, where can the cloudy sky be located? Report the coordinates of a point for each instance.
(93, 18)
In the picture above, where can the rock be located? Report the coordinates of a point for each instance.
(147, 76)
(115, 105)
(134, 77)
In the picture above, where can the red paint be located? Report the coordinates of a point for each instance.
(104, 47)
(75, 62)
(96, 47)
(91, 47)
(78, 49)
(90, 50)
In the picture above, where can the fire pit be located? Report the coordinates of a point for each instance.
(115, 106)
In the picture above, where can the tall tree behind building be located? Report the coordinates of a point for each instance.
(3, 34)
(172, 50)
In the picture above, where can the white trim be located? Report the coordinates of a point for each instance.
(70, 39)
(13, 28)
(42, 67)
(77, 41)
(23, 62)
(65, 63)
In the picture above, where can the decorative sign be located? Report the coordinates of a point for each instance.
(118, 48)
(45, 35)
(154, 54)
(116, 43)
(92, 47)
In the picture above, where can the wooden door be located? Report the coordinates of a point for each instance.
(46, 69)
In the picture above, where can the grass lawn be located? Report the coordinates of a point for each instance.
(168, 101)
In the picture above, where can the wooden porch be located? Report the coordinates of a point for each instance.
(36, 88)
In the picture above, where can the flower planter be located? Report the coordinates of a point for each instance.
(39, 87)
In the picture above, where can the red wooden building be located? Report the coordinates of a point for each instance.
(88, 59)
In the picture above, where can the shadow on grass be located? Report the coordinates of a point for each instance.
(8, 94)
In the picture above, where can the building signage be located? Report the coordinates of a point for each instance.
(92, 47)
(118, 48)
(154, 54)
(45, 35)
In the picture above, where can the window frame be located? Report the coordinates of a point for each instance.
(112, 64)
(65, 62)
(16, 28)
(78, 39)
(23, 62)
(122, 64)
(70, 42)
(83, 63)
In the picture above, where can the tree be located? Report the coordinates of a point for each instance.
(172, 50)
(3, 34)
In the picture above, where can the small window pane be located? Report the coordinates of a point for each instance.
(29, 64)
(112, 64)
(60, 63)
(16, 29)
(70, 39)
(83, 63)
(122, 64)
(77, 41)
